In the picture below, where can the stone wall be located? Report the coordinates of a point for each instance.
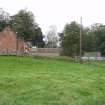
(49, 52)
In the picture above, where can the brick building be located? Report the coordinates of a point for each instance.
(10, 43)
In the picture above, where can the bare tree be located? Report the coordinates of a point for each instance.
(4, 16)
(4, 19)
(52, 38)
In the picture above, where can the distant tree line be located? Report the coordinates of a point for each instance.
(24, 24)
(93, 39)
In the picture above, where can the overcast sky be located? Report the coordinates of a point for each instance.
(59, 12)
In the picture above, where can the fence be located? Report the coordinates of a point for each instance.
(93, 58)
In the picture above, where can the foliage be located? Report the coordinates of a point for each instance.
(70, 43)
(61, 38)
(99, 32)
(23, 23)
(102, 49)
(93, 39)
(37, 39)
(89, 41)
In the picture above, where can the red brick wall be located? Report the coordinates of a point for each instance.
(21, 45)
(8, 41)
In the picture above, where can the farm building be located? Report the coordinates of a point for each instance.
(10, 43)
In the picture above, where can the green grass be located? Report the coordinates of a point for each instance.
(37, 81)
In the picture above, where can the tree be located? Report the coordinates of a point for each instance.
(70, 43)
(102, 49)
(4, 19)
(61, 38)
(99, 31)
(52, 39)
(89, 40)
(37, 39)
(23, 23)
(94, 39)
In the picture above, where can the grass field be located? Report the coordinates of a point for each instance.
(33, 81)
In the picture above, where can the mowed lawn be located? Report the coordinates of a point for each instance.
(33, 81)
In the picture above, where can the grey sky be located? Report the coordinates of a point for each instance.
(59, 12)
